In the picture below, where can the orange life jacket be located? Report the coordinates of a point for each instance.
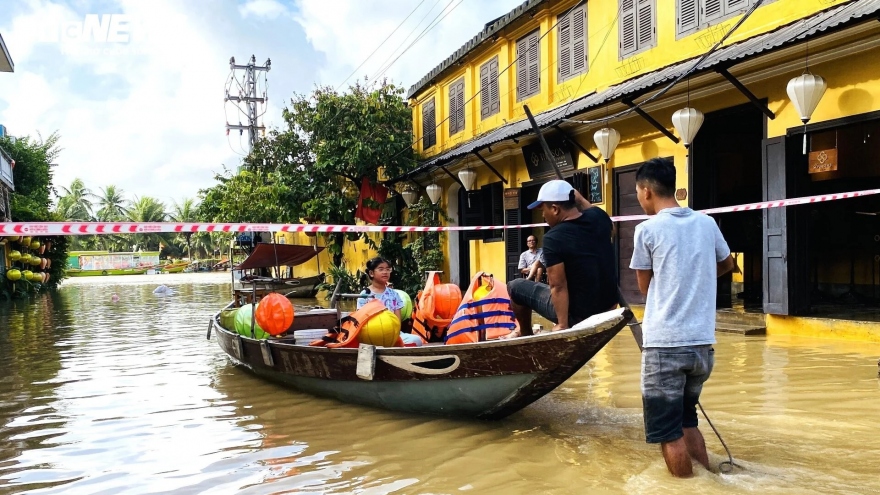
(427, 324)
(490, 315)
(347, 334)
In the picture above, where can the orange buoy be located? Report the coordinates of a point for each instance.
(275, 314)
(447, 297)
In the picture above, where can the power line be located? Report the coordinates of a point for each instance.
(250, 98)
(406, 39)
(380, 44)
(434, 24)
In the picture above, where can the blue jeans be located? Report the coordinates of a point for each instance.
(534, 295)
(672, 379)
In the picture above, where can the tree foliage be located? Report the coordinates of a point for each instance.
(313, 169)
(31, 202)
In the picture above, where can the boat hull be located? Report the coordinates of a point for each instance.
(487, 380)
(306, 288)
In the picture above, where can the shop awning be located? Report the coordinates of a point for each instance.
(266, 255)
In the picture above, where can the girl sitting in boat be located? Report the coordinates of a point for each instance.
(379, 272)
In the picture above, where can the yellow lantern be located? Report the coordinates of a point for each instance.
(14, 255)
(26, 274)
(25, 241)
(34, 261)
(35, 244)
(13, 275)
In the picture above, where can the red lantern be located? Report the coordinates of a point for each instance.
(447, 297)
(274, 314)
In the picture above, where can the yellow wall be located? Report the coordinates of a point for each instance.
(355, 254)
(827, 328)
(605, 66)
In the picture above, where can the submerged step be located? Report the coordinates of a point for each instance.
(740, 329)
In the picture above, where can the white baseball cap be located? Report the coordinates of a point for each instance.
(555, 191)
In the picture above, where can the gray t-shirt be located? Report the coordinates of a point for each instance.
(683, 249)
(528, 258)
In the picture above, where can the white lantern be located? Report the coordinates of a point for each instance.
(410, 196)
(606, 140)
(434, 193)
(468, 177)
(687, 122)
(805, 92)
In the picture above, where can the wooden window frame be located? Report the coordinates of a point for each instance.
(569, 58)
(640, 44)
(490, 100)
(429, 128)
(704, 20)
(525, 66)
(456, 120)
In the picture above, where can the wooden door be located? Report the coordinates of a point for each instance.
(626, 203)
(776, 277)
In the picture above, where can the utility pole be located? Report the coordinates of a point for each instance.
(247, 94)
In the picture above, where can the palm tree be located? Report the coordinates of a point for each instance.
(112, 204)
(144, 210)
(185, 212)
(75, 202)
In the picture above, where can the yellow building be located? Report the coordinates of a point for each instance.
(629, 65)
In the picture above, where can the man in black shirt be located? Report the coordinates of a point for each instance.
(580, 262)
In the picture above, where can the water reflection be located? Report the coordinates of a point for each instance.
(129, 397)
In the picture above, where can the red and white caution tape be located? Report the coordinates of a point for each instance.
(93, 228)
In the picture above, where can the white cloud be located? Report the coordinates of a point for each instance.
(262, 8)
(348, 31)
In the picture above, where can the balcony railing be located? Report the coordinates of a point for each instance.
(6, 170)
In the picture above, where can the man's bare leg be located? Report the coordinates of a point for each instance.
(539, 273)
(696, 446)
(678, 461)
(523, 316)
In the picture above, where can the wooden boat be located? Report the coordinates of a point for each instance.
(487, 380)
(76, 272)
(175, 267)
(266, 256)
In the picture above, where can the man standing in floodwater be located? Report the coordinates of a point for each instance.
(677, 255)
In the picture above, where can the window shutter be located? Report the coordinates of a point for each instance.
(688, 18)
(459, 104)
(493, 209)
(731, 6)
(485, 91)
(452, 121)
(712, 10)
(579, 40)
(429, 124)
(564, 52)
(627, 29)
(645, 23)
(495, 99)
(471, 204)
(522, 71)
(512, 243)
(534, 64)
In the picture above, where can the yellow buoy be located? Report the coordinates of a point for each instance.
(381, 330)
(481, 292)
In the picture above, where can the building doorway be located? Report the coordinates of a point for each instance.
(725, 169)
(626, 203)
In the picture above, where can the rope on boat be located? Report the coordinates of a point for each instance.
(726, 466)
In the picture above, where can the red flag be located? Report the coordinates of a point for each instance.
(377, 193)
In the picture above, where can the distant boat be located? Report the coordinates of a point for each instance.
(178, 267)
(267, 256)
(75, 272)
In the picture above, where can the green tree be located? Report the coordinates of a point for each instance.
(112, 204)
(75, 202)
(31, 201)
(145, 210)
(185, 212)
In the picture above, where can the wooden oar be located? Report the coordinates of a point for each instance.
(634, 325)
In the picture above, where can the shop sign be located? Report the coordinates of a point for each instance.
(511, 198)
(823, 161)
(540, 166)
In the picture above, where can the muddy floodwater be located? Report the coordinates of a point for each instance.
(129, 397)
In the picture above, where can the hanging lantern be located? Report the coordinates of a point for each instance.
(410, 196)
(687, 122)
(805, 91)
(468, 178)
(434, 193)
(606, 140)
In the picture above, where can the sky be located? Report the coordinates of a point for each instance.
(139, 101)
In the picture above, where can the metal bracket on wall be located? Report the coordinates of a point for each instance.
(454, 177)
(577, 144)
(651, 120)
(745, 91)
(477, 153)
